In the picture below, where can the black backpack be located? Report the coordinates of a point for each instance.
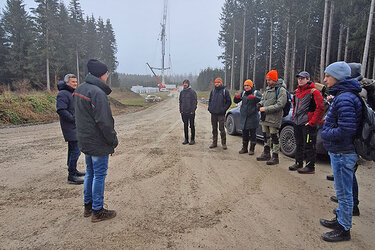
(288, 103)
(364, 140)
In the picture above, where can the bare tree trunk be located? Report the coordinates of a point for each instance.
(47, 69)
(247, 66)
(271, 43)
(373, 68)
(346, 44)
(324, 39)
(307, 37)
(225, 71)
(368, 35)
(368, 69)
(242, 69)
(339, 49)
(77, 61)
(286, 56)
(292, 72)
(255, 53)
(232, 63)
(328, 53)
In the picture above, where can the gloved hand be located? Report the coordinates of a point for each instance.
(238, 96)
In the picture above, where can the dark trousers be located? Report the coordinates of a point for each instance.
(355, 187)
(306, 143)
(215, 120)
(248, 134)
(188, 118)
(73, 155)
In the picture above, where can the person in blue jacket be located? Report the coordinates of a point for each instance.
(65, 109)
(340, 127)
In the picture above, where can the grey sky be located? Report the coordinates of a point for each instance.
(192, 32)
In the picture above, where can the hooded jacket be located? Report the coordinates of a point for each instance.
(95, 124)
(188, 101)
(343, 117)
(65, 109)
(219, 101)
(274, 105)
(305, 98)
(249, 115)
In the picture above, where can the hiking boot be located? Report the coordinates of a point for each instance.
(243, 151)
(252, 148)
(334, 199)
(265, 156)
(338, 234)
(330, 223)
(224, 146)
(213, 145)
(355, 211)
(78, 173)
(330, 177)
(73, 179)
(192, 142)
(185, 142)
(308, 169)
(296, 166)
(88, 209)
(274, 160)
(102, 214)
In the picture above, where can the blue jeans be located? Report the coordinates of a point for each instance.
(96, 171)
(73, 155)
(343, 170)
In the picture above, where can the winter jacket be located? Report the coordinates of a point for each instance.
(308, 105)
(188, 101)
(65, 109)
(249, 115)
(274, 106)
(95, 124)
(219, 101)
(343, 117)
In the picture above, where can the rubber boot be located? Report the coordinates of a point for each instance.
(252, 148)
(214, 143)
(265, 156)
(224, 144)
(244, 148)
(274, 160)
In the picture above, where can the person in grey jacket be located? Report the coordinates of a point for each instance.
(271, 108)
(96, 135)
(188, 105)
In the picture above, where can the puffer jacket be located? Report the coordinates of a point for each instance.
(343, 117)
(249, 115)
(188, 101)
(274, 106)
(95, 124)
(65, 109)
(306, 98)
(219, 101)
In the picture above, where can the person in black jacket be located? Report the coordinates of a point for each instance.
(65, 109)
(188, 105)
(97, 137)
(218, 105)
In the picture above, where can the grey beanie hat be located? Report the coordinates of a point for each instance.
(339, 70)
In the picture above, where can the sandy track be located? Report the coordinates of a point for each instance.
(167, 195)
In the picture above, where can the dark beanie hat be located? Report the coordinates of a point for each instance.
(96, 68)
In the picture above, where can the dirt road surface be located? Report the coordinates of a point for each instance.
(168, 195)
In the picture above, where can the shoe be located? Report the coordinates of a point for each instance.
(330, 223)
(102, 214)
(355, 211)
(274, 160)
(78, 173)
(252, 148)
(192, 142)
(265, 156)
(296, 166)
(330, 177)
(243, 151)
(224, 146)
(338, 234)
(334, 199)
(306, 170)
(213, 145)
(88, 209)
(73, 179)
(185, 142)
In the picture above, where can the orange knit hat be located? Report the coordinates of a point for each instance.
(219, 80)
(272, 75)
(248, 83)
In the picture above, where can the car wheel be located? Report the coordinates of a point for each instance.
(231, 126)
(288, 141)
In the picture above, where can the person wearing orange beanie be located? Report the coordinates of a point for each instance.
(271, 108)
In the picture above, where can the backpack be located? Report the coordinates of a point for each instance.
(364, 140)
(288, 103)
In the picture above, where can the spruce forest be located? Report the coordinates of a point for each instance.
(291, 36)
(39, 47)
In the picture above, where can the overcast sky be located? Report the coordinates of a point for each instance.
(192, 32)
